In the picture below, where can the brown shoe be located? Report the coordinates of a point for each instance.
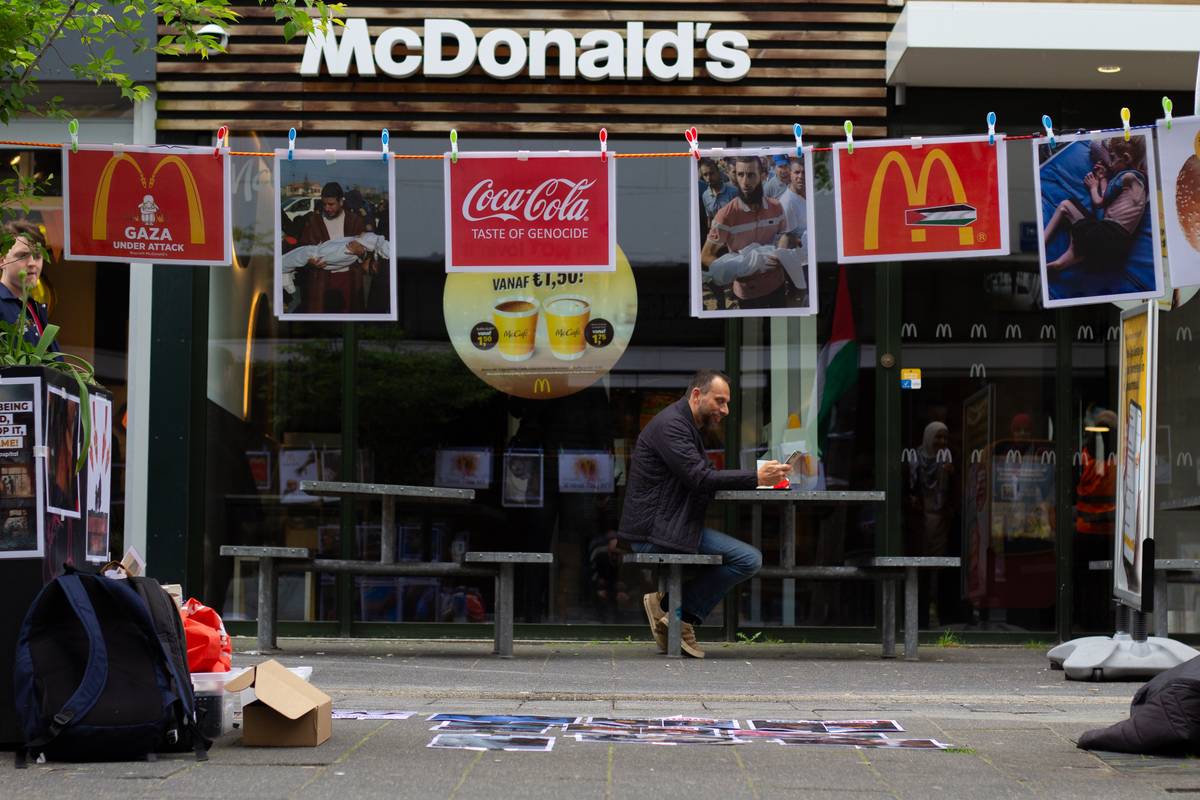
(687, 640)
(652, 603)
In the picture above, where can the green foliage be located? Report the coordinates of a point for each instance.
(949, 639)
(29, 30)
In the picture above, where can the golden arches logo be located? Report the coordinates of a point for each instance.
(541, 386)
(100, 204)
(916, 191)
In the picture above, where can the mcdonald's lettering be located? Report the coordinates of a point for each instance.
(1085, 333)
(909, 329)
(1049, 331)
(1183, 333)
(541, 386)
(142, 205)
(979, 331)
(1012, 331)
(1184, 459)
(978, 371)
(894, 198)
(943, 329)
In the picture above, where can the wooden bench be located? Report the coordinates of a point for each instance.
(675, 562)
(273, 560)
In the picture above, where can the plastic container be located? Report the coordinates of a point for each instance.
(217, 710)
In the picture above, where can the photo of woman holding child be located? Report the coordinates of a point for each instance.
(1099, 234)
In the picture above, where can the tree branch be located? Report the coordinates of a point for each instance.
(49, 41)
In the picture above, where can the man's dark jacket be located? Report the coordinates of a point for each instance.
(671, 482)
(10, 310)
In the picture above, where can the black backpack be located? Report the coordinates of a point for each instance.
(101, 672)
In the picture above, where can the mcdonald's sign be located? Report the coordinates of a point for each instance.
(158, 204)
(943, 198)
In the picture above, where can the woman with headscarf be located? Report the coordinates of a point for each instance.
(930, 491)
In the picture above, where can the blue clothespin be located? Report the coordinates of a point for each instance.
(73, 129)
(291, 144)
(1048, 124)
(1167, 107)
(991, 121)
(798, 129)
(848, 126)
(453, 146)
(384, 137)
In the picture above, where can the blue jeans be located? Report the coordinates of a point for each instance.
(708, 585)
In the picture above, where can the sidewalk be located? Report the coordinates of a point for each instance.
(1011, 718)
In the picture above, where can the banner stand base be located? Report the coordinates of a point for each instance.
(1118, 657)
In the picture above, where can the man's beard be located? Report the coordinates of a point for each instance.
(712, 427)
(752, 198)
(327, 215)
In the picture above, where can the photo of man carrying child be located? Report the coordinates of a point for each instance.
(1098, 237)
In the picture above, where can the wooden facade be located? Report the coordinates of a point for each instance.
(817, 63)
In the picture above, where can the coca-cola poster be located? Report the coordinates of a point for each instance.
(530, 212)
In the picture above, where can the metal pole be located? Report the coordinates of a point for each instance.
(888, 619)
(1160, 603)
(387, 547)
(267, 585)
(787, 544)
(504, 612)
(675, 593)
(910, 614)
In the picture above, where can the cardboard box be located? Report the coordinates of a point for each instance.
(288, 712)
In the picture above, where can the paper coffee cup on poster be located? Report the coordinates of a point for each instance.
(541, 335)
(566, 318)
(516, 321)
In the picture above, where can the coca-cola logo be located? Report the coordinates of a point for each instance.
(553, 200)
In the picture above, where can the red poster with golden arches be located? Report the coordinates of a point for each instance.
(913, 199)
(162, 204)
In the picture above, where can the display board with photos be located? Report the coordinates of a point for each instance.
(753, 233)
(334, 259)
(1137, 377)
(22, 492)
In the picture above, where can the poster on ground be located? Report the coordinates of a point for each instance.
(531, 212)
(99, 488)
(22, 529)
(62, 448)
(334, 258)
(920, 199)
(1135, 454)
(1179, 155)
(1098, 235)
(164, 204)
(753, 233)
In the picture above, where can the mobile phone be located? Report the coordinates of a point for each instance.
(794, 458)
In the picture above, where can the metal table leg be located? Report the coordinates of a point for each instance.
(674, 610)
(268, 584)
(1160, 603)
(387, 533)
(888, 619)
(504, 611)
(910, 613)
(787, 557)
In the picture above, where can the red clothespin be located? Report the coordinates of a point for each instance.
(604, 144)
(693, 140)
(222, 140)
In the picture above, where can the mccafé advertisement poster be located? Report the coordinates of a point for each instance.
(1135, 451)
(1179, 157)
(542, 335)
(529, 212)
(909, 200)
(162, 204)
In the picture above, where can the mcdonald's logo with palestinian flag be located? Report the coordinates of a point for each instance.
(162, 204)
(901, 200)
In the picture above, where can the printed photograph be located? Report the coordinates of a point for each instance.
(585, 472)
(295, 465)
(18, 534)
(523, 476)
(1181, 198)
(1099, 235)
(753, 242)
(333, 251)
(463, 468)
(16, 481)
(516, 728)
(503, 719)
(475, 741)
(99, 478)
(63, 443)
(347, 714)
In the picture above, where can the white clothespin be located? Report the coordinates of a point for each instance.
(330, 155)
(915, 142)
(522, 155)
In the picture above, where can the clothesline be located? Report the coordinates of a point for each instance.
(417, 156)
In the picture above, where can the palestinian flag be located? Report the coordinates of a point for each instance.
(837, 363)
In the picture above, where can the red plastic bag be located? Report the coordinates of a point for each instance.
(208, 645)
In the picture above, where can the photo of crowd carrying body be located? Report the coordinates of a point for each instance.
(333, 254)
(1100, 237)
(752, 246)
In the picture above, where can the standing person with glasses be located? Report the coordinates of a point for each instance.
(671, 482)
(24, 255)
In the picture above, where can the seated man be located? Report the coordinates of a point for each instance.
(670, 484)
